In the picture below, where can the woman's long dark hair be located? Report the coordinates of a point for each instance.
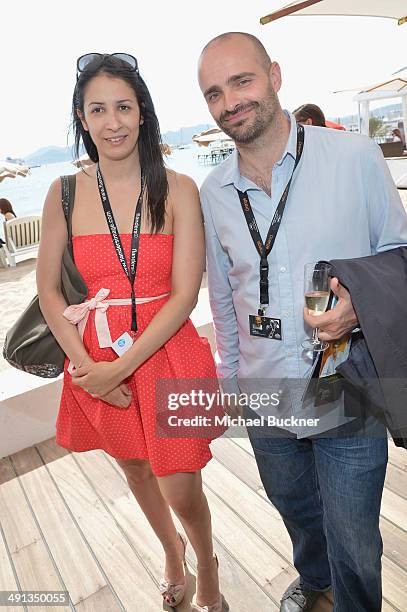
(149, 142)
(6, 207)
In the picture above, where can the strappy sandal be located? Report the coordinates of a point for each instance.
(221, 605)
(173, 593)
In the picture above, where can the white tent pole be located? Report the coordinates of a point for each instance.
(404, 102)
(365, 117)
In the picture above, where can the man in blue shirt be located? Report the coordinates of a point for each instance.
(342, 203)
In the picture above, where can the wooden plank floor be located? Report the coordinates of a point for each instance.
(69, 522)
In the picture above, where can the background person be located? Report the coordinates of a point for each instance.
(310, 114)
(6, 209)
(398, 133)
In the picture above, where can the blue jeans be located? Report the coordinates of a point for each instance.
(328, 491)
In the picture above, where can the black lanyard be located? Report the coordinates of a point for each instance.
(264, 249)
(117, 243)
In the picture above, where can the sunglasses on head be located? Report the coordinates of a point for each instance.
(83, 61)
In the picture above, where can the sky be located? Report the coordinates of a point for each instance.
(41, 40)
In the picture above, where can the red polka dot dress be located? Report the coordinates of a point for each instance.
(86, 423)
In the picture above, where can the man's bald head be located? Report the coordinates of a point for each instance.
(240, 84)
(258, 47)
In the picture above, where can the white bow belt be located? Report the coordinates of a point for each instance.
(78, 314)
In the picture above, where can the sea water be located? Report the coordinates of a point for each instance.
(27, 194)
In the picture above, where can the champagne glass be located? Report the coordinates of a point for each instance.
(317, 291)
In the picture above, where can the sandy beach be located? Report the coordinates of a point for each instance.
(17, 287)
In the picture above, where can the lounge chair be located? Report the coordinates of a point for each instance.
(22, 235)
(392, 149)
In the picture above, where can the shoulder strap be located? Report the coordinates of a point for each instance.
(68, 184)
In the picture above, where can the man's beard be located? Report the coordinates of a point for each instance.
(246, 131)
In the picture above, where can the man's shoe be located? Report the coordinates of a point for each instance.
(298, 598)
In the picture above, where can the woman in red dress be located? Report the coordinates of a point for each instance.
(138, 243)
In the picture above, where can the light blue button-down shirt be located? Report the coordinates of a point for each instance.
(343, 203)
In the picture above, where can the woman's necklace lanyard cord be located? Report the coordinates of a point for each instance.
(130, 271)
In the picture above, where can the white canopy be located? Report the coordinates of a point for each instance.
(393, 88)
(212, 135)
(396, 86)
(392, 9)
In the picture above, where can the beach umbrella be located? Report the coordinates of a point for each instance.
(11, 170)
(83, 161)
(165, 148)
(392, 9)
(204, 139)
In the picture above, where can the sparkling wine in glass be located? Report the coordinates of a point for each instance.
(316, 291)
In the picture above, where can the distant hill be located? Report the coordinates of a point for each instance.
(184, 134)
(49, 155)
(389, 111)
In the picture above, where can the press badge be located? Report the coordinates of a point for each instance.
(265, 327)
(122, 344)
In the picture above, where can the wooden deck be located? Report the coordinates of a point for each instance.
(69, 522)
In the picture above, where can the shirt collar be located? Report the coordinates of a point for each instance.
(231, 172)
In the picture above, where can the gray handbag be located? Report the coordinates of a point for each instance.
(29, 344)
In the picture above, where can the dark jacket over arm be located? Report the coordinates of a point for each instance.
(377, 362)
